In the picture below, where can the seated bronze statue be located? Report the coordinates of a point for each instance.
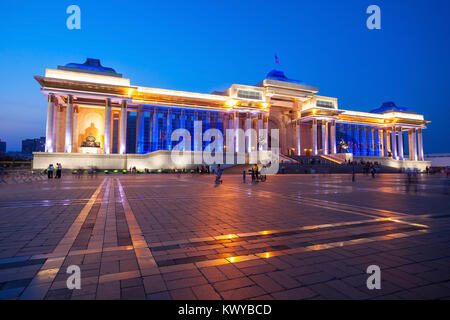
(90, 142)
(343, 146)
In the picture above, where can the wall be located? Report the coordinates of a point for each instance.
(389, 162)
(156, 160)
(439, 160)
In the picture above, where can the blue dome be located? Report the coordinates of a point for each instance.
(280, 76)
(90, 64)
(389, 106)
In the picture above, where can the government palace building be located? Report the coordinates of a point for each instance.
(97, 118)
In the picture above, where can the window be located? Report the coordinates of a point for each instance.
(325, 104)
(249, 94)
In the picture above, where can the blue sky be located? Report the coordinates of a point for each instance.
(204, 46)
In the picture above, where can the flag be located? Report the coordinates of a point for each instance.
(276, 59)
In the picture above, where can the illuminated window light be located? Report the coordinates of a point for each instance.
(231, 103)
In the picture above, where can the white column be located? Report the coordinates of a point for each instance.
(381, 139)
(49, 141)
(314, 136)
(324, 137)
(248, 125)
(155, 133)
(386, 142)
(333, 137)
(260, 127)
(198, 130)
(57, 134)
(69, 123)
(394, 143)
(266, 132)
(373, 142)
(75, 130)
(410, 153)
(299, 141)
(107, 133)
(420, 144)
(229, 127)
(401, 155)
(123, 127)
(412, 145)
(168, 129)
(236, 131)
(139, 130)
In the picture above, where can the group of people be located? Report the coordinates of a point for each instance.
(254, 172)
(54, 170)
(203, 170)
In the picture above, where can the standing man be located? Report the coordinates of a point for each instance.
(58, 170)
(50, 171)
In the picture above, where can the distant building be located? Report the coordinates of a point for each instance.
(2, 147)
(438, 159)
(19, 156)
(33, 145)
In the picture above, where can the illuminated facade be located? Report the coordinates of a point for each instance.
(94, 110)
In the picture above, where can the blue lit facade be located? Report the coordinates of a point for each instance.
(156, 123)
(362, 140)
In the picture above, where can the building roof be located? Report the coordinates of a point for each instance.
(91, 66)
(280, 76)
(388, 107)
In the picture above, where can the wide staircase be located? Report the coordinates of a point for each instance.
(319, 164)
(324, 164)
(238, 169)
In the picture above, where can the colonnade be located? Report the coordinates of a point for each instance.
(236, 120)
(389, 139)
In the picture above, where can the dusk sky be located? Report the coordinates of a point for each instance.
(203, 46)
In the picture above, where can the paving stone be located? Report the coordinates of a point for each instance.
(133, 293)
(213, 274)
(153, 284)
(232, 284)
(183, 294)
(292, 237)
(265, 282)
(205, 292)
(184, 283)
(295, 294)
(242, 293)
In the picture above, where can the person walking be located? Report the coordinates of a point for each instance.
(243, 176)
(219, 175)
(50, 171)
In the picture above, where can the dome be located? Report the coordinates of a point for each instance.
(90, 64)
(389, 106)
(280, 76)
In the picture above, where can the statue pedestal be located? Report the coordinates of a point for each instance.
(344, 157)
(91, 150)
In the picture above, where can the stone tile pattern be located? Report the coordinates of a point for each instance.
(237, 241)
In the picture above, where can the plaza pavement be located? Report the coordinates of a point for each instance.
(182, 237)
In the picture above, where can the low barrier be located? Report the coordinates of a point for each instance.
(21, 176)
